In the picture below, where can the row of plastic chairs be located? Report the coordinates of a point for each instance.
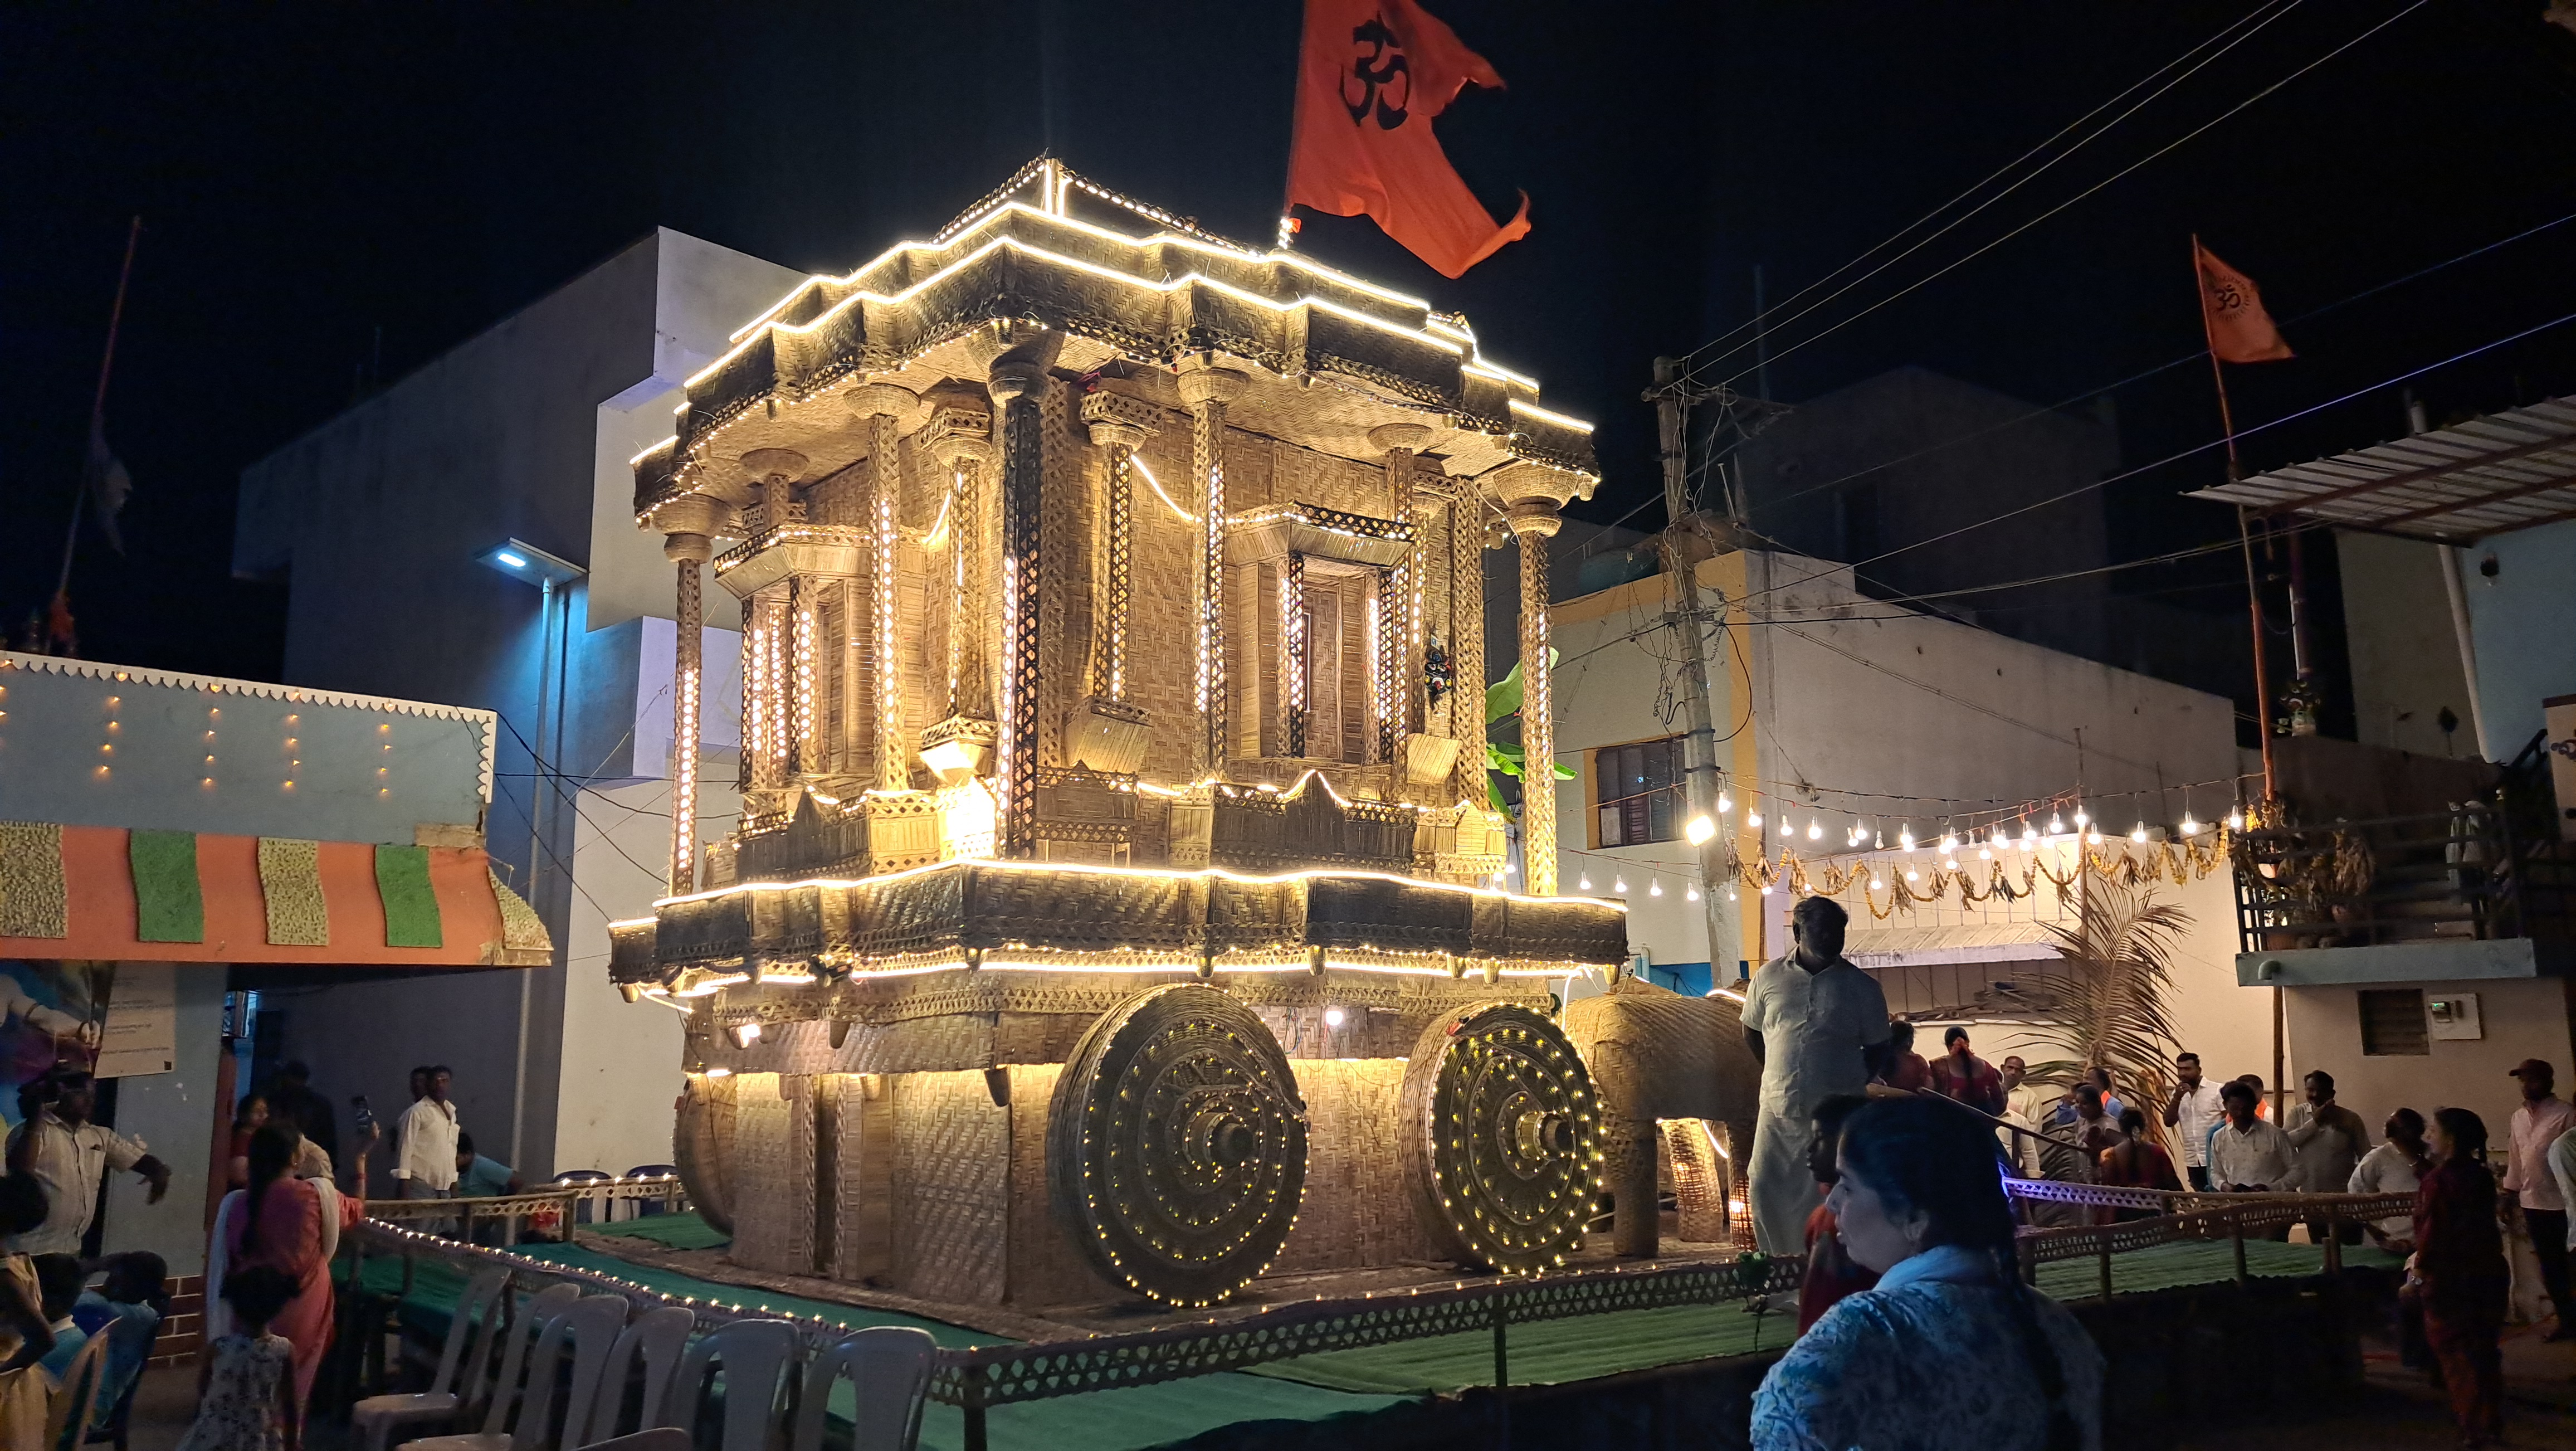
(570, 1371)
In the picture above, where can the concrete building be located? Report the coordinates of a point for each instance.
(2419, 913)
(396, 525)
(1843, 717)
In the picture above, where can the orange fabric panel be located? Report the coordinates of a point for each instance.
(98, 880)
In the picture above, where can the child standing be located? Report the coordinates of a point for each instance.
(246, 1394)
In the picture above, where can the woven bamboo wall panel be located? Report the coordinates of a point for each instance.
(862, 1239)
(1045, 1267)
(773, 1172)
(952, 1150)
(1356, 1211)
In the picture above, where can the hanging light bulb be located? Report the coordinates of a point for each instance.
(1985, 854)
(2056, 826)
(1766, 891)
(1912, 875)
(1815, 829)
(1691, 896)
(2236, 819)
(1949, 843)
(1730, 894)
(1753, 820)
(2001, 841)
(2029, 837)
(1620, 885)
(2094, 836)
(1877, 883)
(2189, 826)
(1700, 830)
(1905, 837)
(1724, 804)
(1655, 888)
(2139, 831)
(1584, 885)
(2080, 817)
(1879, 842)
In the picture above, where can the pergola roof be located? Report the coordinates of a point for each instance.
(2457, 485)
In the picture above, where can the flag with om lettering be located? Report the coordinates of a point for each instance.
(2240, 331)
(1373, 74)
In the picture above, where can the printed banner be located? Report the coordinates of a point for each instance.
(142, 1030)
(51, 1015)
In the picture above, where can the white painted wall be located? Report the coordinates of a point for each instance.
(2522, 1018)
(174, 1114)
(621, 1060)
(1859, 710)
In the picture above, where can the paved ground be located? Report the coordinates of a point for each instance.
(2396, 1410)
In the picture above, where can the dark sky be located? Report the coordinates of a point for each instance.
(314, 177)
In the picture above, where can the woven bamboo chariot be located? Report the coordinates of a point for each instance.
(1113, 909)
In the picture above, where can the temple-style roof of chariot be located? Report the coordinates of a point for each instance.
(1126, 283)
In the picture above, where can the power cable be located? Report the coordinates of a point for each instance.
(2157, 154)
(2263, 17)
(2256, 20)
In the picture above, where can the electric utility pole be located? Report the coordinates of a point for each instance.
(1699, 748)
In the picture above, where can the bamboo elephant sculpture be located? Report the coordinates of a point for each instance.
(1658, 1057)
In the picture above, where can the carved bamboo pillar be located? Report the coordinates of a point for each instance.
(1014, 385)
(1401, 640)
(776, 703)
(960, 744)
(1531, 525)
(1107, 733)
(688, 523)
(1207, 389)
(1467, 636)
(885, 406)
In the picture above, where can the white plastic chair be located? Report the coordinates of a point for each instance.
(889, 1371)
(591, 1324)
(758, 1358)
(658, 1340)
(521, 1334)
(375, 1421)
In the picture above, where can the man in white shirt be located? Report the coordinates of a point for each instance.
(2191, 1113)
(2247, 1154)
(2395, 1167)
(2541, 1121)
(425, 1157)
(1817, 1025)
(2021, 1106)
(68, 1156)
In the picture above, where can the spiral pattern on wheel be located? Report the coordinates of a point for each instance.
(1176, 1145)
(1502, 1138)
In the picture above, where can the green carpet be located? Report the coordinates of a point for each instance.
(685, 1230)
(1342, 1382)
(1550, 1352)
(1128, 1419)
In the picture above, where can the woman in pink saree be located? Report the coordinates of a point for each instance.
(291, 1225)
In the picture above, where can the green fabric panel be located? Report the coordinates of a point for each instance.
(169, 905)
(411, 908)
(686, 1230)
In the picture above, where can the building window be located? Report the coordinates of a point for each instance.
(1638, 792)
(2392, 1022)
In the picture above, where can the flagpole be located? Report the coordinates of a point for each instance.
(2244, 531)
(97, 414)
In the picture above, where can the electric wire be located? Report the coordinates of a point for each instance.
(2257, 20)
(2159, 153)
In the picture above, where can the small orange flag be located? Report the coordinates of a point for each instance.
(1372, 75)
(2231, 307)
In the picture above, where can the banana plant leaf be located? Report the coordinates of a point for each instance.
(1512, 761)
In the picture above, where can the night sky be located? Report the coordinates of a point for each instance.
(333, 195)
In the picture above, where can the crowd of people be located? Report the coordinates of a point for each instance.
(1911, 1305)
(275, 1232)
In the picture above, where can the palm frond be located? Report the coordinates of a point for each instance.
(2112, 990)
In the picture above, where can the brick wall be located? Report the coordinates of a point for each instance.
(184, 1331)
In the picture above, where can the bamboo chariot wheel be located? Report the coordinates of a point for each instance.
(1502, 1138)
(1176, 1145)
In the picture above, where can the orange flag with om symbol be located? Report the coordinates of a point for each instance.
(1372, 75)
(2240, 331)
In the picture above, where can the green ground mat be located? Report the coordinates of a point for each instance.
(1550, 1352)
(1128, 1419)
(1351, 1382)
(685, 1230)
